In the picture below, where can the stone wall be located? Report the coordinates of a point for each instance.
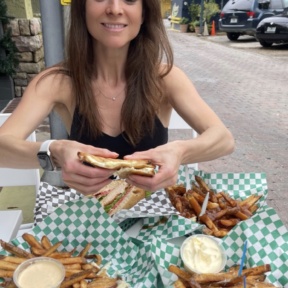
(27, 35)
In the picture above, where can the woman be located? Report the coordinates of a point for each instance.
(115, 95)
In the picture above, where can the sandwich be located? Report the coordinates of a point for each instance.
(123, 167)
(118, 195)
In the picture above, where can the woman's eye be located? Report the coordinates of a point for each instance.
(131, 1)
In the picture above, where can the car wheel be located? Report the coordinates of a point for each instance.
(233, 36)
(265, 44)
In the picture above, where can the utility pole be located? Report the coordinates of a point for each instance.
(53, 40)
(201, 17)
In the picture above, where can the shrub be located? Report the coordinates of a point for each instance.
(8, 58)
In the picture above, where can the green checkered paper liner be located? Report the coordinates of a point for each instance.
(83, 221)
(143, 261)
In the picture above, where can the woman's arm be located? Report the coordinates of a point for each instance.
(37, 102)
(214, 139)
(51, 92)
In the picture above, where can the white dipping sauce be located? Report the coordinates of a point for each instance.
(202, 255)
(41, 274)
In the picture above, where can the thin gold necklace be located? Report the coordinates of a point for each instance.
(114, 97)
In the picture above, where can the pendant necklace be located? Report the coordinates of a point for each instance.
(114, 97)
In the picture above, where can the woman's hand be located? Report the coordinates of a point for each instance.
(164, 156)
(85, 179)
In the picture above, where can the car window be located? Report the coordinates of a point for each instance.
(285, 3)
(238, 5)
(276, 4)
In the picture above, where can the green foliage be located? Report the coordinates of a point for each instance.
(3, 12)
(210, 9)
(191, 27)
(8, 49)
(184, 20)
(194, 11)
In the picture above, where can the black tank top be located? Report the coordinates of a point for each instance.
(119, 144)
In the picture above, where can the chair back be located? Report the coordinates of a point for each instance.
(176, 122)
(19, 177)
(10, 220)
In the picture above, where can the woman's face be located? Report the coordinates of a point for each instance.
(114, 23)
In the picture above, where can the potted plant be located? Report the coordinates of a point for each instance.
(184, 21)
(196, 24)
(210, 10)
(191, 27)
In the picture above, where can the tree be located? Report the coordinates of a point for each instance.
(8, 57)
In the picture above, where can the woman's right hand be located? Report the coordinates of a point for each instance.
(85, 179)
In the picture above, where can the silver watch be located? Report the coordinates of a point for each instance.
(44, 156)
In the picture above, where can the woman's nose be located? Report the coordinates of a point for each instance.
(114, 7)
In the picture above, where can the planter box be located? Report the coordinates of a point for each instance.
(183, 28)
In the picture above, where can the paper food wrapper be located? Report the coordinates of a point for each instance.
(143, 261)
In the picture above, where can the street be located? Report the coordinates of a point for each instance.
(247, 87)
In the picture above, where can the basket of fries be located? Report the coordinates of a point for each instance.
(82, 225)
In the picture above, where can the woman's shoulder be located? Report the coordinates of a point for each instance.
(173, 77)
(51, 84)
(53, 78)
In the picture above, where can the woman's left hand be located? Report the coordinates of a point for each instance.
(168, 162)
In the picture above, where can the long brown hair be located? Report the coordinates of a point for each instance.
(143, 76)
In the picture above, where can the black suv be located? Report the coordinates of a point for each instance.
(241, 17)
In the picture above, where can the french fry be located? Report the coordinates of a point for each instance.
(8, 265)
(222, 212)
(203, 186)
(6, 273)
(85, 250)
(179, 284)
(45, 242)
(213, 277)
(11, 259)
(78, 272)
(220, 233)
(75, 278)
(37, 252)
(15, 250)
(76, 266)
(31, 240)
(58, 255)
(52, 249)
(250, 201)
(83, 284)
(255, 277)
(257, 270)
(194, 204)
(72, 260)
(183, 275)
(210, 224)
(229, 222)
(102, 282)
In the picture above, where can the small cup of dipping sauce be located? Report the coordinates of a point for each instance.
(203, 254)
(39, 272)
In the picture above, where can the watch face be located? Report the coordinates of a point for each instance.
(45, 161)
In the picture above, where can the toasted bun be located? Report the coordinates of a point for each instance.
(130, 199)
(123, 194)
(124, 167)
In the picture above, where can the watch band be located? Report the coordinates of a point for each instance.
(44, 156)
(45, 146)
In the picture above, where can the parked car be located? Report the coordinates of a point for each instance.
(241, 17)
(273, 30)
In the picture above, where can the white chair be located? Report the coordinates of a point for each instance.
(176, 122)
(10, 220)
